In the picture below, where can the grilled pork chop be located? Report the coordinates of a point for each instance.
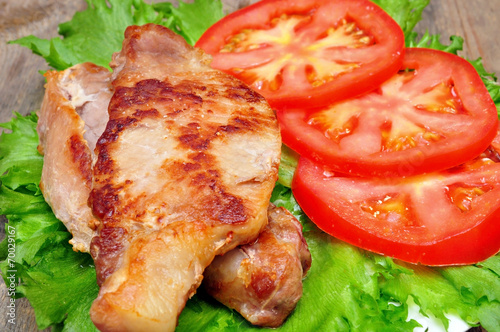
(263, 280)
(82, 94)
(184, 172)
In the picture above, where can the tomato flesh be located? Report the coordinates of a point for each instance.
(307, 53)
(418, 121)
(441, 218)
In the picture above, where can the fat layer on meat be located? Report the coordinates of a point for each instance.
(184, 172)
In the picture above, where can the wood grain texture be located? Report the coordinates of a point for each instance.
(20, 81)
(475, 21)
(21, 86)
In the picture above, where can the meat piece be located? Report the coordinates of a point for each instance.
(263, 280)
(73, 112)
(83, 91)
(184, 172)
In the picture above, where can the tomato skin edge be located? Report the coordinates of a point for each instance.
(343, 90)
(469, 247)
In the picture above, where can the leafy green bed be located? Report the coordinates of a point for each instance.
(346, 289)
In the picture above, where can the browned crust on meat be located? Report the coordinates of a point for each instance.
(180, 97)
(81, 156)
(107, 246)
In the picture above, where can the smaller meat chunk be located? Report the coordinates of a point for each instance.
(72, 117)
(263, 280)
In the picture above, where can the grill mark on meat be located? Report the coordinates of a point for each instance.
(142, 114)
(103, 202)
(188, 86)
(81, 157)
(194, 141)
(228, 129)
(104, 164)
(228, 208)
(245, 123)
(201, 157)
(106, 249)
(238, 124)
(263, 283)
(141, 93)
(188, 167)
(203, 179)
(152, 90)
(109, 197)
(114, 128)
(244, 93)
(174, 113)
(225, 207)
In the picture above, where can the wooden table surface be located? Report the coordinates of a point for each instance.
(21, 86)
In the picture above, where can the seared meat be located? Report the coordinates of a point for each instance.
(84, 91)
(184, 172)
(72, 116)
(263, 280)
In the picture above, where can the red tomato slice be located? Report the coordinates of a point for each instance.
(304, 53)
(441, 218)
(434, 114)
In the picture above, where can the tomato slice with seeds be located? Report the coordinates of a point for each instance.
(435, 113)
(440, 218)
(305, 53)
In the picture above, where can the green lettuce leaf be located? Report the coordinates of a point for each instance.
(59, 283)
(94, 34)
(191, 20)
(432, 41)
(64, 292)
(17, 154)
(490, 81)
(347, 289)
(288, 164)
(406, 12)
